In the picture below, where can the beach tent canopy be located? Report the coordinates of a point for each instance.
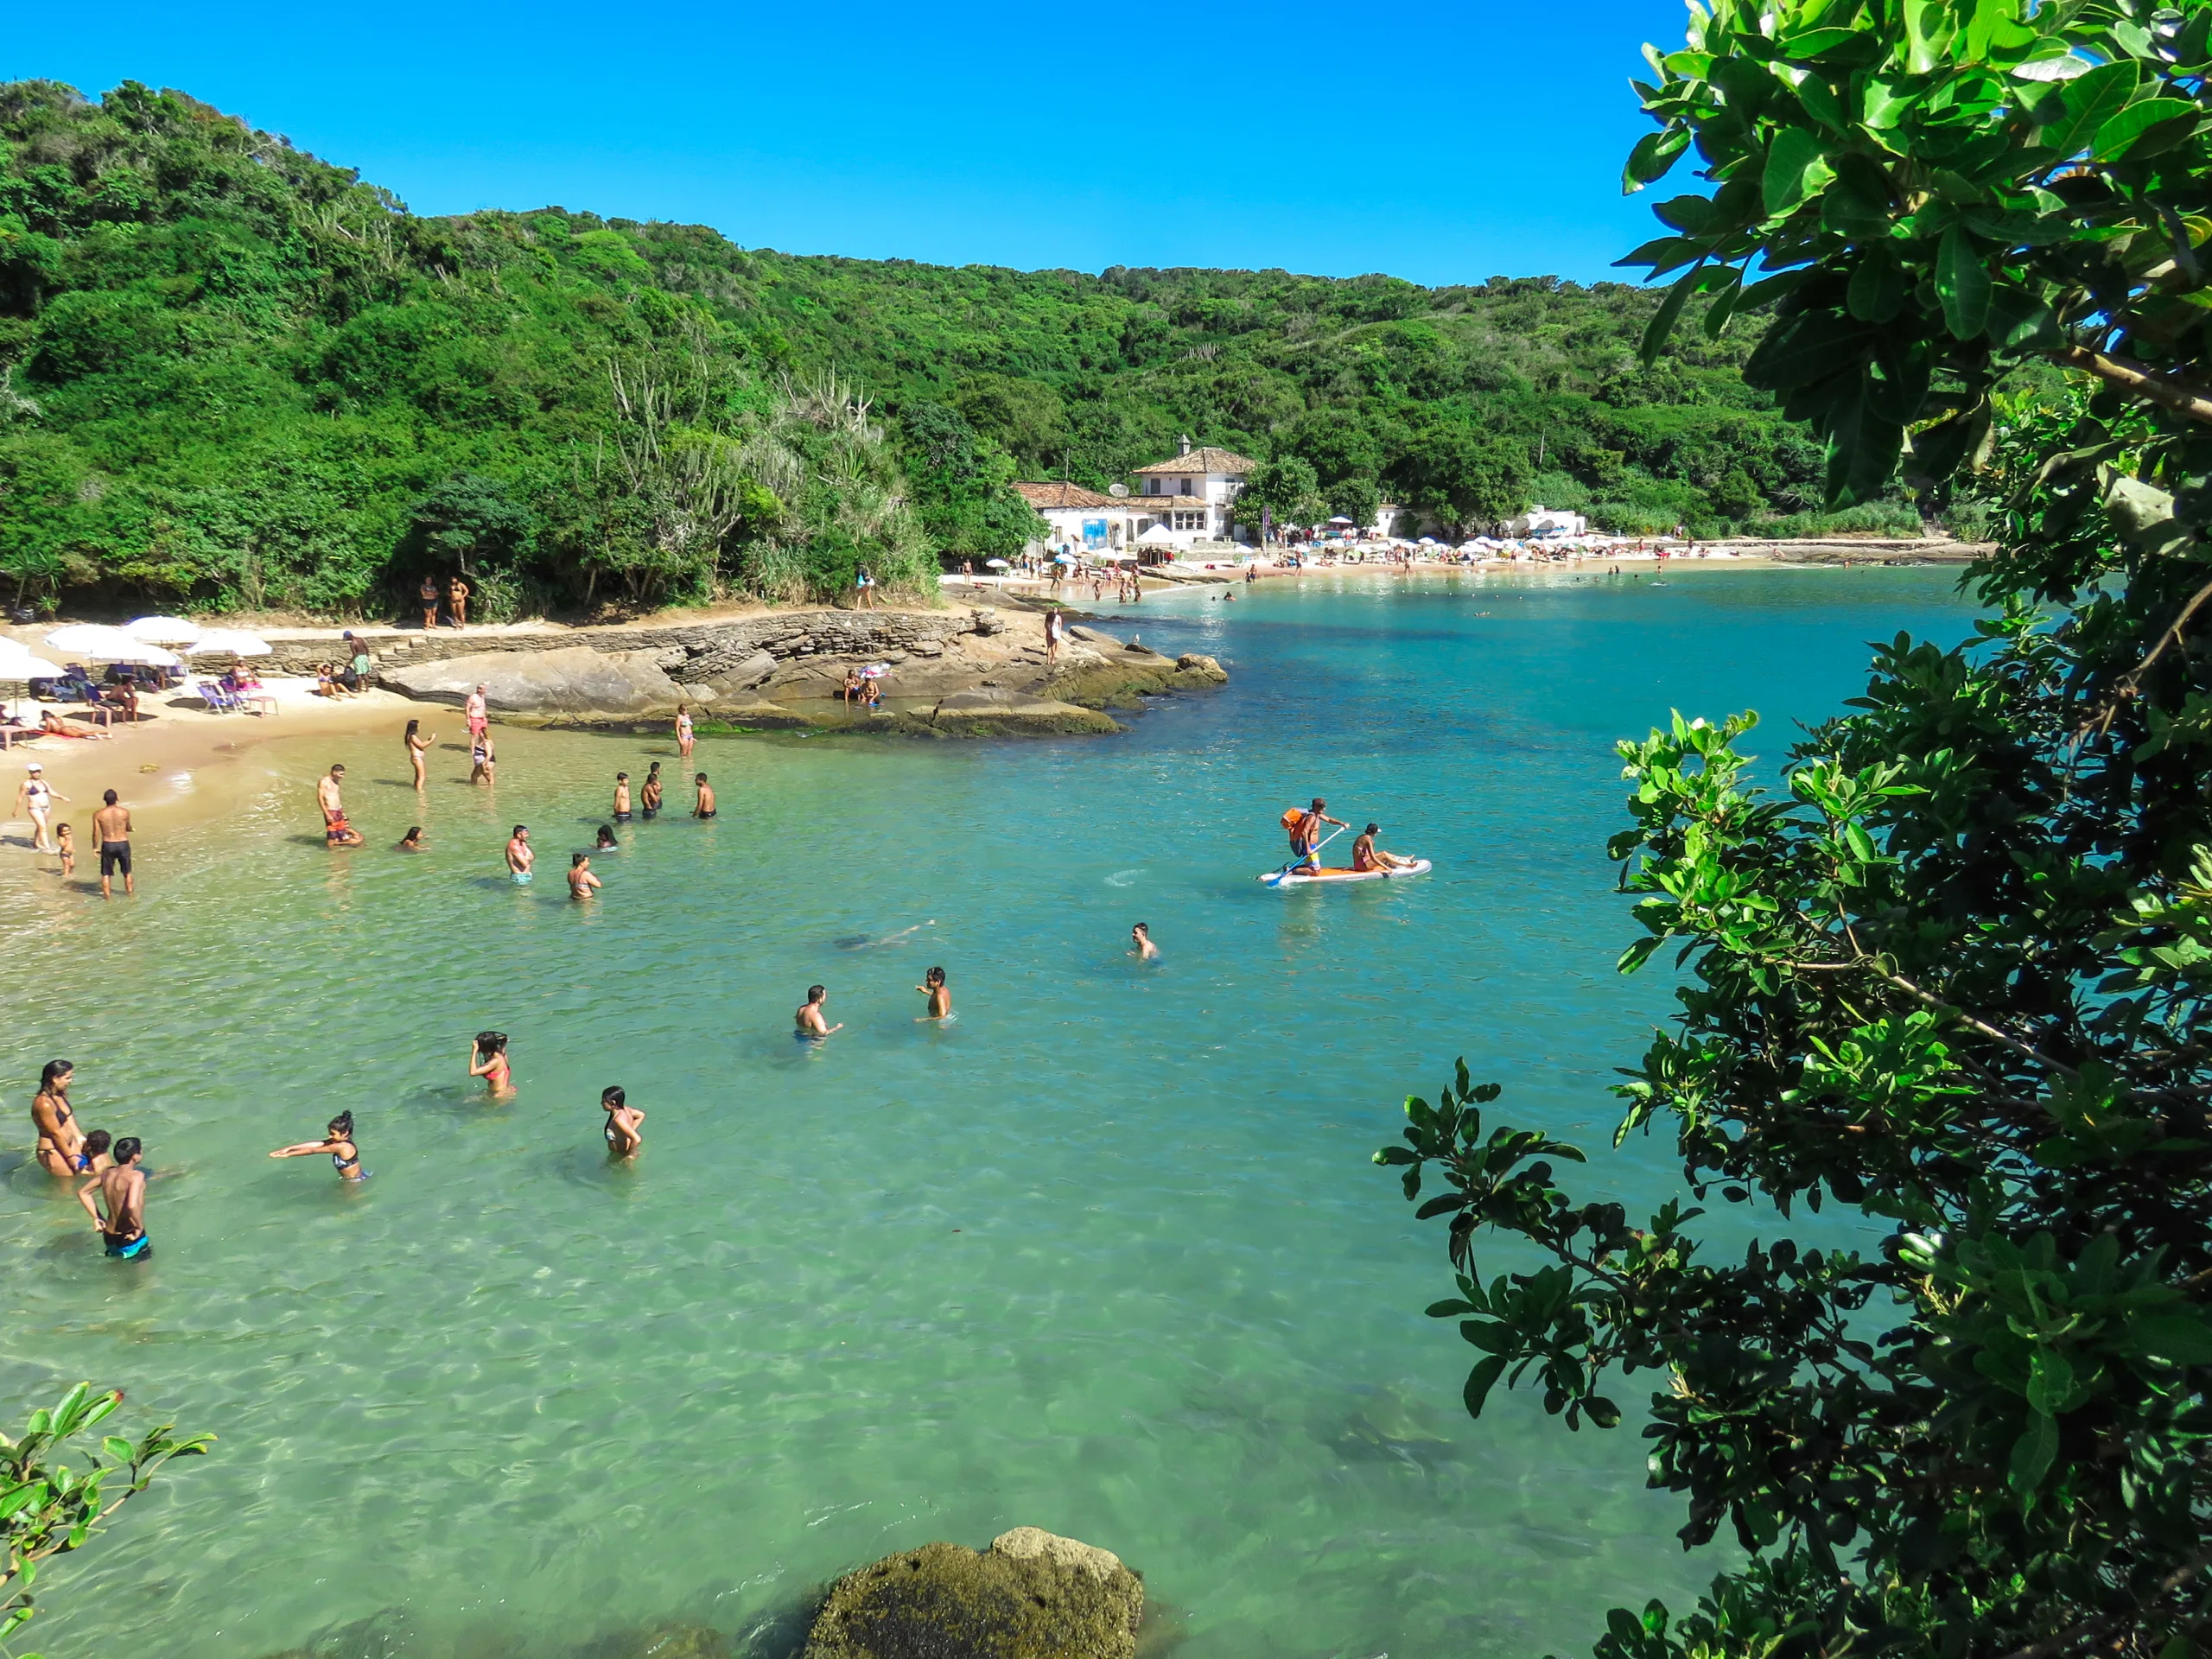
(103, 644)
(1158, 535)
(1341, 519)
(236, 641)
(163, 629)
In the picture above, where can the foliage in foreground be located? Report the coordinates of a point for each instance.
(1951, 980)
(48, 1508)
(232, 375)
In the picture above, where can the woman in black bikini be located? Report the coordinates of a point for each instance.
(60, 1143)
(338, 1141)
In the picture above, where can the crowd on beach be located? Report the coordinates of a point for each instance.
(111, 1168)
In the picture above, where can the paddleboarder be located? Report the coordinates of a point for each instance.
(1306, 834)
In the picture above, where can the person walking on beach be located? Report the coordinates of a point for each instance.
(427, 594)
(649, 793)
(487, 1058)
(35, 797)
(809, 1017)
(1141, 944)
(483, 758)
(621, 797)
(1051, 637)
(706, 806)
(457, 602)
(520, 856)
(623, 1123)
(60, 1144)
(338, 1141)
(684, 736)
(582, 882)
(476, 711)
(111, 829)
(934, 988)
(121, 1190)
(417, 746)
(68, 847)
(336, 832)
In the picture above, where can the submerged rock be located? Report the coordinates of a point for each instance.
(661, 1642)
(1032, 1595)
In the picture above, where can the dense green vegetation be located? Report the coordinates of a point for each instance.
(233, 375)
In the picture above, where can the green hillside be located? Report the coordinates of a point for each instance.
(231, 374)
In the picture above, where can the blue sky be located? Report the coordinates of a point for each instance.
(1437, 142)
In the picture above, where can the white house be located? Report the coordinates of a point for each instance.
(1190, 494)
(1082, 519)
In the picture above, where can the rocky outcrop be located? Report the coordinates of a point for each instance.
(1032, 1595)
(548, 685)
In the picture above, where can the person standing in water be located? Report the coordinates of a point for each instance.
(649, 793)
(683, 733)
(338, 1141)
(329, 795)
(60, 1143)
(621, 797)
(35, 797)
(808, 1018)
(520, 855)
(483, 758)
(96, 1158)
(933, 987)
(111, 829)
(706, 807)
(624, 1123)
(66, 845)
(121, 1190)
(606, 844)
(477, 712)
(1141, 944)
(582, 882)
(487, 1058)
(417, 745)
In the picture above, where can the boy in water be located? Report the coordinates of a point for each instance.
(940, 994)
(67, 839)
(649, 797)
(623, 1138)
(582, 882)
(122, 1190)
(621, 797)
(808, 1018)
(706, 807)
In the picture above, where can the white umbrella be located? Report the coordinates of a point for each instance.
(106, 645)
(996, 564)
(236, 641)
(163, 629)
(1158, 535)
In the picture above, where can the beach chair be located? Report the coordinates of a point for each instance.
(218, 701)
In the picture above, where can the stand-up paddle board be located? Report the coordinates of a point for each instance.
(1329, 878)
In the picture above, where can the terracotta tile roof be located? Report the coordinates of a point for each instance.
(1207, 459)
(1042, 496)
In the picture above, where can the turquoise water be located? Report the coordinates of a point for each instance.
(1104, 1256)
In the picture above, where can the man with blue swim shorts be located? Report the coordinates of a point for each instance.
(122, 1190)
(520, 856)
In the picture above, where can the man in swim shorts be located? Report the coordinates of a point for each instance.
(475, 711)
(808, 1018)
(520, 856)
(1306, 834)
(122, 1190)
(706, 807)
(336, 832)
(112, 825)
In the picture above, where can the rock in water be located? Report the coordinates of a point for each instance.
(1032, 1595)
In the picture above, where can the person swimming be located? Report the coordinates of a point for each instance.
(934, 988)
(623, 1120)
(606, 844)
(1141, 944)
(412, 840)
(811, 1028)
(487, 1058)
(338, 1141)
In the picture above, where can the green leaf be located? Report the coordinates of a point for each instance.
(2174, 1337)
(1962, 285)
(1857, 203)
(1663, 320)
(1653, 155)
(1877, 290)
(1795, 169)
(2051, 1382)
(2032, 1454)
(117, 1448)
(1480, 1381)
(2145, 128)
(2085, 105)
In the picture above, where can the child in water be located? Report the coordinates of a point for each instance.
(338, 1141)
(67, 842)
(623, 1138)
(933, 987)
(487, 1058)
(621, 797)
(649, 796)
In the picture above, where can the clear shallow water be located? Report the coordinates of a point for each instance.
(1105, 1256)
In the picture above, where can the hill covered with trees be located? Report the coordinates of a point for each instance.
(232, 375)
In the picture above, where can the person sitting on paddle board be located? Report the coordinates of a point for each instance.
(1306, 833)
(1366, 856)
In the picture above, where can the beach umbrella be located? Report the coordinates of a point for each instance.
(103, 644)
(1158, 535)
(236, 641)
(1341, 519)
(996, 564)
(163, 629)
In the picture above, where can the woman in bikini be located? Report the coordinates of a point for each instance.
(338, 1141)
(483, 758)
(623, 1138)
(60, 1143)
(417, 745)
(489, 1059)
(684, 736)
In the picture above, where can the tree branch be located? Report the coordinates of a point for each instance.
(2052, 1646)
(2183, 400)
